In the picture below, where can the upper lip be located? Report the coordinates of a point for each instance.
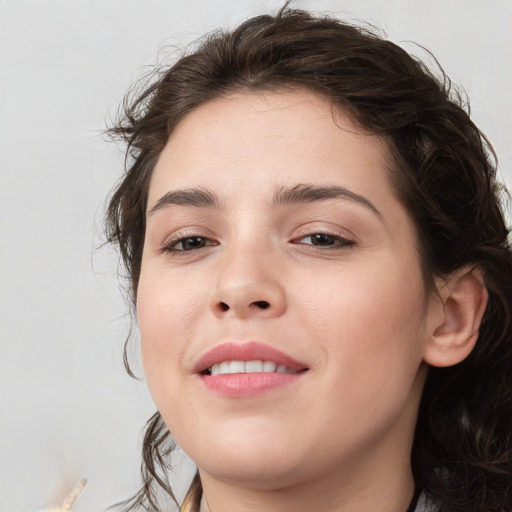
(248, 351)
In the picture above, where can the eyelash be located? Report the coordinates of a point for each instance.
(336, 242)
(171, 245)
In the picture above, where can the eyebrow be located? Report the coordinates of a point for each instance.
(303, 193)
(197, 197)
(300, 193)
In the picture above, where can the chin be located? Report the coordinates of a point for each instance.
(253, 473)
(250, 461)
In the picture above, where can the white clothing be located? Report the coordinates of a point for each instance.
(425, 506)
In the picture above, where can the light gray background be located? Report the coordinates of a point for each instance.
(67, 409)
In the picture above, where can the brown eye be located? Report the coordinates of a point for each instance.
(189, 243)
(194, 242)
(322, 239)
(325, 240)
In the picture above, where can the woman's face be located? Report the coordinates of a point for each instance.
(275, 245)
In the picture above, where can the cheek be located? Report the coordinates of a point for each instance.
(167, 312)
(369, 327)
(381, 298)
(370, 324)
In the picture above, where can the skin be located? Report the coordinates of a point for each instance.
(351, 305)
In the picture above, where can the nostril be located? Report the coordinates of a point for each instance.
(263, 304)
(224, 306)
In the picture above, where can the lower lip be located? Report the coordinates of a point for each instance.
(239, 385)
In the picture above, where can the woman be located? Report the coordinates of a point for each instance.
(321, 276)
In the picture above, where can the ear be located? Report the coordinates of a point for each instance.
(456, 317)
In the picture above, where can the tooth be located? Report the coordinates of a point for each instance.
(253, 366)
(236, 367)
(256, 366)
(269, 366)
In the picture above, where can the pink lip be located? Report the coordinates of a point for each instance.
(250, 351)
(243, 385)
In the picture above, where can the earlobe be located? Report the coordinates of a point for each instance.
(454, 332)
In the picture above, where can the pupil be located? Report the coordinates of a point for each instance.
(194, 242)
(322, 239)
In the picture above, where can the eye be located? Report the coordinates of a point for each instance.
(325, 240)
(188, 243)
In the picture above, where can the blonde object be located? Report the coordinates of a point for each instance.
(69, 499)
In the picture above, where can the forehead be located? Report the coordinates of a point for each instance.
(247, 139)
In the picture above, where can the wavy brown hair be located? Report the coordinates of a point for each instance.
(444, 172)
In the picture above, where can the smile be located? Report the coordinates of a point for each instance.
(232, 367)
(246, 357)
(246, 369)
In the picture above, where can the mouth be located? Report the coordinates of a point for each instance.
(239, 370)
(249, 357)
(256, 366)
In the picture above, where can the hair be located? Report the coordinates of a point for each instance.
(444, 172)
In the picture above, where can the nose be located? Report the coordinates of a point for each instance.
(248, 285)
